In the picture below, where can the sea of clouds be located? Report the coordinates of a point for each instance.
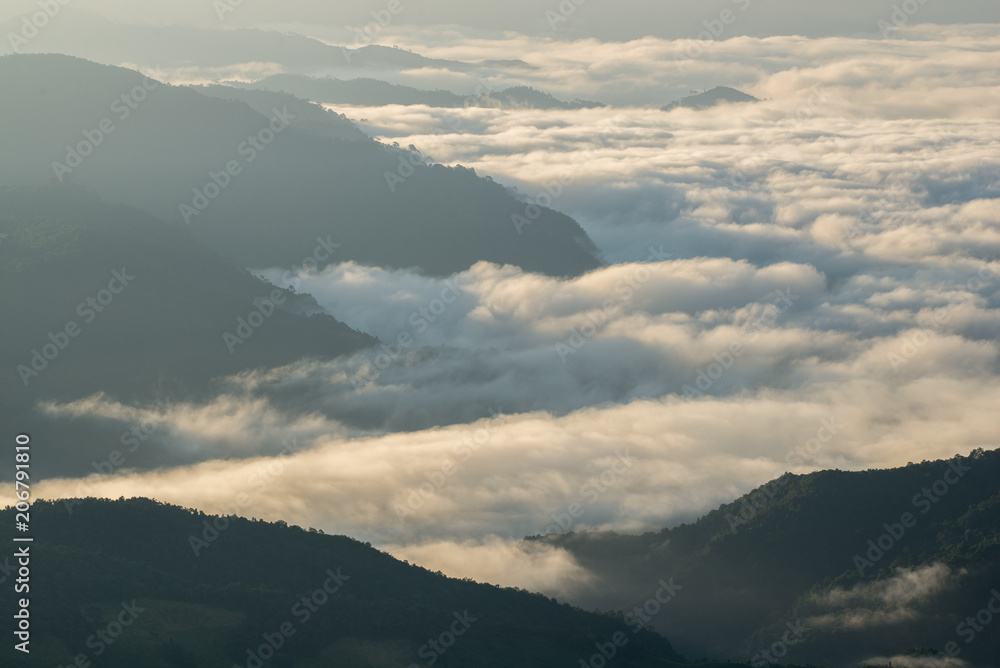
(803, 283)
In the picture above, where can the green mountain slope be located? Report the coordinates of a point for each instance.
(100, 298)
(322, 600)
(797, 550)
(257, 188)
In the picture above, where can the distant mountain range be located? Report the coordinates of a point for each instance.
(711, 98)
(874, 564)
(371, 92)
(87, 35)
(258, 176)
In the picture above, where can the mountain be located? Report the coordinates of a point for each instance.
(137, 583)
(309, 117)
(258, 187)
(88, 35)
(371, 92)
(712, 98)
(873, 564)
(105, 299)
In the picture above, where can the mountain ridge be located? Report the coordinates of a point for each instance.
(258, 188)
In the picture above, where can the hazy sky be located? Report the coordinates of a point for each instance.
(604, 19)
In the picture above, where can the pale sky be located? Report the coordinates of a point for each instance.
(619, 20)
